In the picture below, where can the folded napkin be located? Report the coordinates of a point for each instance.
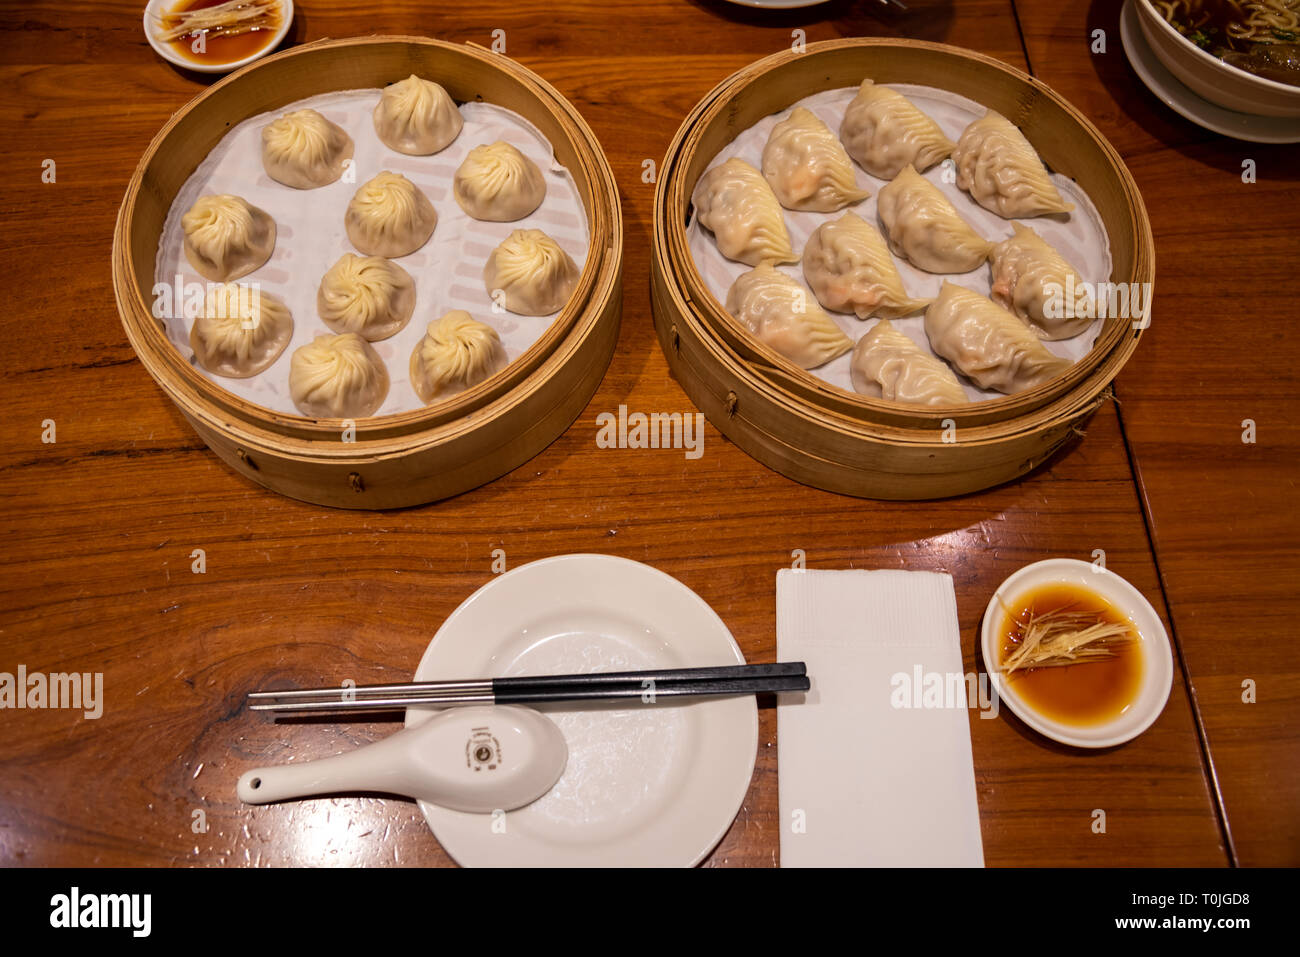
(875, 764)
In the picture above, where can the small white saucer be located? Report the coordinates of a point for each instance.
(1176, 95)
(153, 13)
(646, 785)
(1157, 657)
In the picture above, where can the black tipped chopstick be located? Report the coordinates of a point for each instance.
(535, 689)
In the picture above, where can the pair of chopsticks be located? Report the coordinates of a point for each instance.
(538, 689)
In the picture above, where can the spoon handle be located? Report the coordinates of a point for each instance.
(375, 767)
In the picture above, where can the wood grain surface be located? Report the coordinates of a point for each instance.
(100, 526)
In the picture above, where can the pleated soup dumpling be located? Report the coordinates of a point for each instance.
(337, 377)
(779, 312)
(1002, 172)
(847, 265)
(887, 364)
(368, 295)
(240, 331)
(530, 274)
(226, 237)
(498, 184)
(304, 150)
(807, 167)
(736, 204)
(987, 344)
(457, 353)
(1028, 277)
(925, 229)
(417, 117)
(884, 131)
(389, 216)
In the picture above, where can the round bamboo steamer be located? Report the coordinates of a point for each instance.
(841, 441)
(412, 457)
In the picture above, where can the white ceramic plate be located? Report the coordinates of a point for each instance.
(1157, 657)
(647, 785)
(153, 12)
(1183, 101)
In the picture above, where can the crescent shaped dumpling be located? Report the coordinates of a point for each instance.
(304, 150)
(987, 344)
(533, 274)
(226, 237)
(1002, 172)
(498, 184)
(370, 296)
(737, 205)
(925, 229)
(389, 216)
(456, 353)
(337, 377)
(884, 131)
(887, 364)
(780, 313)
(240, 331)
(417, 117)
(807, 167)
(1028, 276)
(847, 265)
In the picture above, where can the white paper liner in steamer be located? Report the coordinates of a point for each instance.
(1079, 236)
(310, 236)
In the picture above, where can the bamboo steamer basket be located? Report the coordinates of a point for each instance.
(412, 457)
(838, 440)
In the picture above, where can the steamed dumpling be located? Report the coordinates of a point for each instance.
(807, 166)
(390, 217)
(888, 365)
(1028, 273)
(370, 296)
(417, 117)
(499, 184)
(737, 205)
(456, 353)
(226, 237)
(780, 313)
(925, 229)
(884, 131)
(531, 272)
(337, 377)
(848, 267)
(1002, 172)
(240, 331)
(304, 150)
(987, 344)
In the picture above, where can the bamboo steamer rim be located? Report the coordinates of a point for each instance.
(816, 399)
(398, 433)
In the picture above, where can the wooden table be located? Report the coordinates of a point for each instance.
(100, 526)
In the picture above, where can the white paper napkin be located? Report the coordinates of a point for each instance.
(875, 764)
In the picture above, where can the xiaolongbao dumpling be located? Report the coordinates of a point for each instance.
(925, 229)
(226, 237)
(780, 313)
(304, 150)
(337, 377)
(240, 331)
(390, 217)
(531, 272)
(456, 353)
(417, 117)
(1032, 279)
(987, 344)
(1002, 172)
(736, 204)
(884, 131)
(807, 166)
(370, 296)
(848, 267)
(888, 365)
(499, 184)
